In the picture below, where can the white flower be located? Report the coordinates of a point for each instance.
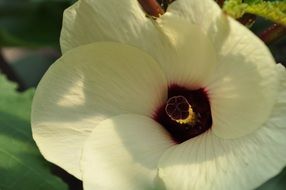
(100, 111)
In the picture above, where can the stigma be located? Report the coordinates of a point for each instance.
(180, 111)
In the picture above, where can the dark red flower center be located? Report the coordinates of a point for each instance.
(186, 113)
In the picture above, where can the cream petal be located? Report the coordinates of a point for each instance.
(207, 15)
(89, 84)
(211, 163)
(122, 21)
(123, 152)
(89, 21)
(243, 86)
(191, 57)
(278, 113)
(202, 13)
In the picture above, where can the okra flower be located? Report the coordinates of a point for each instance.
(192, 100)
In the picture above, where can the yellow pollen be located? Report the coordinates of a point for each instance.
(189, 120)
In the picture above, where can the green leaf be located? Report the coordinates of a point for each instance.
(276, 183)
(21, 164)
(274, 11)
(271, 10)
(252, 1)
(235, 8)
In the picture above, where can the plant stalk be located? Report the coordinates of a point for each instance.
(152, 7)
(273, 33)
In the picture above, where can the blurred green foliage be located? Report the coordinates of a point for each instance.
(276, 183)
(271, 10)
(31, 23)
(21, 164)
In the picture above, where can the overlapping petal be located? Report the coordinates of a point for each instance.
(191, 55)
(124, 21)
(204, 14)
(210, 162)
(242, 88)
(123, 152)
(278, 112)
(87, 85)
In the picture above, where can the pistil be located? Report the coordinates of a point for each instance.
(185, 114)
(179, 110)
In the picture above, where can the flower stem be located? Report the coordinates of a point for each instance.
(247, 20)
(273, 33)
(152, 7)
